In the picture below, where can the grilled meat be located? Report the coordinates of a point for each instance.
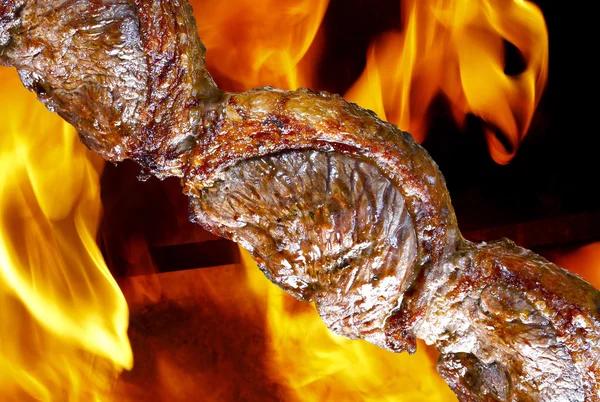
(335, 205)
(511, 326)
(129, 76)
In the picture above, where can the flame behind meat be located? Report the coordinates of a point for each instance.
(583, 261)
(249, 46)
(63, 320)
(488, 57)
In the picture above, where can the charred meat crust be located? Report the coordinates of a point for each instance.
(128, 75)
(84, 61)
(324, 226)
(178, 87)
(9, 18)
(503, 309)
(265, 121)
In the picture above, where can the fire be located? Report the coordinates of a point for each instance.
(316, 363)
(253, 44)
(583, 261)
(458, 48)
(63, 320)
(453, 47)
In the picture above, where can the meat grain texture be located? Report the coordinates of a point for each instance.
(335, 205)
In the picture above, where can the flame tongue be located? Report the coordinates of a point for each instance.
(254, 44)
(458, 47)
(60, 305)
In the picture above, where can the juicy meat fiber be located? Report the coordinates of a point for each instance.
(335, 205)
(128, 75)
(513, 326)
(328, 227)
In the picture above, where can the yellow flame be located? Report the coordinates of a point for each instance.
(63, 319)
(255, 43)
(320, 365)
(457, 47)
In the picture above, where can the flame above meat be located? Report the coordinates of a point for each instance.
(256, 44)
(460, 48)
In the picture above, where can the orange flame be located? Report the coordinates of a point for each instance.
(63, 320)
(253, 44)
(583, 261)
(458, 48)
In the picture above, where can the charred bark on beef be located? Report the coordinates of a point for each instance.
(336, 205)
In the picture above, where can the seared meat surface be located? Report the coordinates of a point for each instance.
(323, 226)
(513, 326)
(335, 205)
(129, 76)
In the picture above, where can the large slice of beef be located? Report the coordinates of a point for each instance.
(323, 226)
(335, 205)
